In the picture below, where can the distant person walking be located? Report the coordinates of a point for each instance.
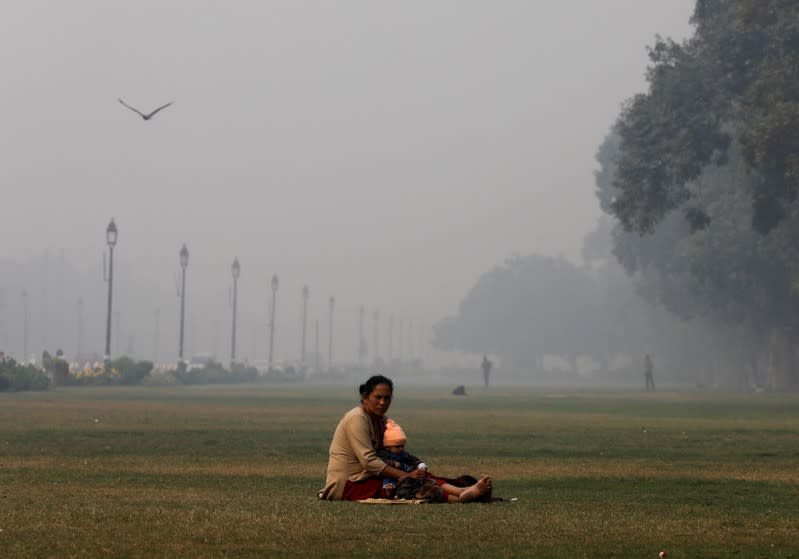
(486, 366)
(649, 373)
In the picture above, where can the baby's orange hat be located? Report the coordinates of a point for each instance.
(393, 435)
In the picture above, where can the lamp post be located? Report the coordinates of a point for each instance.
(118, 330)
(235, 271)
(272, 321)
(316, 347)
(421, 342)
(184, 262)
(400, 341)
(390, 352)
(305, 294)
(111, 239)
(361, 339)
(24, 325)
(157, 327)
(79, 349)
(410, 339)
(376, 351)
(332, 304)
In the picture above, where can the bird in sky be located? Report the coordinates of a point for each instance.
(141, 114)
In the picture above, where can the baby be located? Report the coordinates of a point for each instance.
(393, 453)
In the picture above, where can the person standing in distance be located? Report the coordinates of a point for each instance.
(486, 366)
(649, 373)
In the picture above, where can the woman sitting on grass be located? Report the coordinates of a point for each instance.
(354, 470)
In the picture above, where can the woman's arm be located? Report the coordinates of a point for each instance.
(359, 434)
(390, 471)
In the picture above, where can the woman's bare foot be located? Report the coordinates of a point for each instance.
(479, 491)
(487, 495)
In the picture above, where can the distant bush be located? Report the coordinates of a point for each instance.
(15, 377)
(163, 377)
(122, 370)
(131, 372)
(59, 371)
(289, 374)
(243, 373)
(215, 373)
(93, 375)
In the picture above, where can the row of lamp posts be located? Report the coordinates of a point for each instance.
(111, 239)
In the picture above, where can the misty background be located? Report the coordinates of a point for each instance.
(387, 155)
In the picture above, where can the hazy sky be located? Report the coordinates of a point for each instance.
(387, 153)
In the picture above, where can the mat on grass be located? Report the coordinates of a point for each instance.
(374, 501)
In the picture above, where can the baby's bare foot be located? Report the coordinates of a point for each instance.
(481, 489)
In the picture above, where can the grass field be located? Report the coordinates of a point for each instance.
(233, 472)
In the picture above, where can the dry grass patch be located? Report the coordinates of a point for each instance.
(232, 472)
(144, 465)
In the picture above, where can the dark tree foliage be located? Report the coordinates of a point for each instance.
(736, 80)
(740, 285)
(16, 377)
(131, 372)
(214, 372)
(706, 167)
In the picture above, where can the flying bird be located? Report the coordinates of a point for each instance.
(141, 114)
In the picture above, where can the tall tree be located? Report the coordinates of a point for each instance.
(738, 284)
(736, 80)
(707, 169)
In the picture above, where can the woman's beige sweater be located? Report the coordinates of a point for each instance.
(352, 452)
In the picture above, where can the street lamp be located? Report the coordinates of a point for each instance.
(316, 347)
(236, 271)
(400, 341)
(24, 325)
(111, 239)
(184, 262)
(305, 294)
(361, 339)
(410, 339)
(272, 321)
(157, 327)
(79, 351)
(376, 351)
(390, 350)
(332, 304)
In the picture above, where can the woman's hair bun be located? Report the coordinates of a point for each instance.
(366, 388)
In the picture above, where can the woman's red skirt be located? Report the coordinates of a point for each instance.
(359, 490)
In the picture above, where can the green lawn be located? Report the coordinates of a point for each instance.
(233, 472)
